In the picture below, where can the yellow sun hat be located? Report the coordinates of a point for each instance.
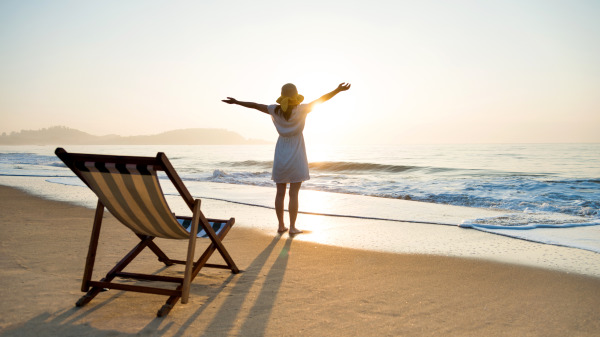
(289, 97)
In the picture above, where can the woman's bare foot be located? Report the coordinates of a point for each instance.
(295, 231)
(282, 230)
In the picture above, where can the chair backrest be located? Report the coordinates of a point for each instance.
(129, 188)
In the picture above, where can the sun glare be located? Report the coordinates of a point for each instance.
(318, 229)
(332, 123)
(320, 127)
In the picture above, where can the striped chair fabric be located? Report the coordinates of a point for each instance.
(132, 193)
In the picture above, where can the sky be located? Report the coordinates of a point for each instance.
(510, 71)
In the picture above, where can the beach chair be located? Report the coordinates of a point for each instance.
(129, 188)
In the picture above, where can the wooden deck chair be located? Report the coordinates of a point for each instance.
(129, 188)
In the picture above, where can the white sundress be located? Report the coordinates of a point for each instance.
(290, 164)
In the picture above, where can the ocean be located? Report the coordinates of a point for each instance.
(536, 186)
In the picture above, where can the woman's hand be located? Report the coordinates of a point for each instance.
(343, 86)
(252, 105)
(230, 100)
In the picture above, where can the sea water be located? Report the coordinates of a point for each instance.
(538, 186)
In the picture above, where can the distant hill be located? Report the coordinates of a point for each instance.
(61, 135)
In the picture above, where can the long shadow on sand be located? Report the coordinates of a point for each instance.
(224, 321)
(263, 306)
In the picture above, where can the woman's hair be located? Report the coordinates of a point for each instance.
(284, 114)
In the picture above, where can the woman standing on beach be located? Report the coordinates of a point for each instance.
(290, 165)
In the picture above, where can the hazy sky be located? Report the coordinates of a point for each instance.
(421, 71)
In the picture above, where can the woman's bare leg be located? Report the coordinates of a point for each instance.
(279, 200)
(293, 207)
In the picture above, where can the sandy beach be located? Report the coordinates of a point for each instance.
(288, 287)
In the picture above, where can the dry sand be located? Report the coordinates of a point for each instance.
(287, 287)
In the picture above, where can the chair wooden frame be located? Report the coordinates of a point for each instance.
(199, 223)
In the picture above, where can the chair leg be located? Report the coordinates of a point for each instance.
(216, 242)
(166, 308)
(91, 257)
(85, 299)
(189, 264)
(228, 259)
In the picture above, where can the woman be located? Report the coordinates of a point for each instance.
(290, 165)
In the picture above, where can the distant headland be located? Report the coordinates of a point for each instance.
(62, 135)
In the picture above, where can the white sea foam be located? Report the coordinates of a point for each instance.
(544, 227)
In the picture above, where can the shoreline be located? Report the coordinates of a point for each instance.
(326, 289)
(367, 234)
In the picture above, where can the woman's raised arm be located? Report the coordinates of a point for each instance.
(251, 105)
(341, 87)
